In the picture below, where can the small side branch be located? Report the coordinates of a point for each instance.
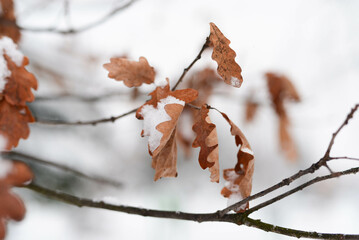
(73, 31)
(21, 156)
(346, 121)
(293, 232)
(82, 123)
(205, 45)
(301, 187)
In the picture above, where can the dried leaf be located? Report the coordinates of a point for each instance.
(208, 142)
(282, 89)
(165, 162)
(239, 179)
(160, 115)
(228, 69)
(8, 25)
(11, 206)
(14, 123)
(132, 73)
(18, 88)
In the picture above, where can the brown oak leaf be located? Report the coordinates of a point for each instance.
(14, 123)
(228, 69)
(132, 73)
(8, 25)
(239, 178)
(281, 89)
(11, 206)
(208, 141)
(18, 87)
(160, 115)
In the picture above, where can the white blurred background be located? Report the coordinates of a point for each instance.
(315, 43)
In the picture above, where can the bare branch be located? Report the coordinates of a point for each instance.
(346, 121)
(82, 123)
(301, 187)
(72, 31)
(82, 202)
(347, 158)
(205, 45)
(239, 219)
(21, 156)
(295, 233)
(287, 181)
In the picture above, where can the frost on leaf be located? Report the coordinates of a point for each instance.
(160, 115)
(239, 178)
(281, 89)
(228, 69)
(14, 123)
(132, 73)
(8, 25)
(11, 206)
(208, 142)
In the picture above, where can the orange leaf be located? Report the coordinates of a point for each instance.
(228, 69)
(208, 141)
(132, 73)
(239, 178)
(11, 206)
(14, 123)
(160, 115)
(18, 88)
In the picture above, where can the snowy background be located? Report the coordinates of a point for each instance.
(315, 43)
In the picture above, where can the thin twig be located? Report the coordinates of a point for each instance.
(301, 187)
(82, 123)
(348, 158)
(21, 157)
(199, 55)
(72, 31)
(293, 232)
(346, 121)
(314, 167)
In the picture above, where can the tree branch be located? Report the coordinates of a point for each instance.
(81, 123)
(301, 187)
(239, 218)
(293, 232)
(287, 181)
(21, 156)
(346, 121)
(205, 45)
(72, 31)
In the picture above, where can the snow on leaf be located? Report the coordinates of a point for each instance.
(11, 206)
(208, 141)
(18, 88)
(14, 123)
(281, 89)
(239, 178)
(160, 115)
(228, 69)
(132, 73)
